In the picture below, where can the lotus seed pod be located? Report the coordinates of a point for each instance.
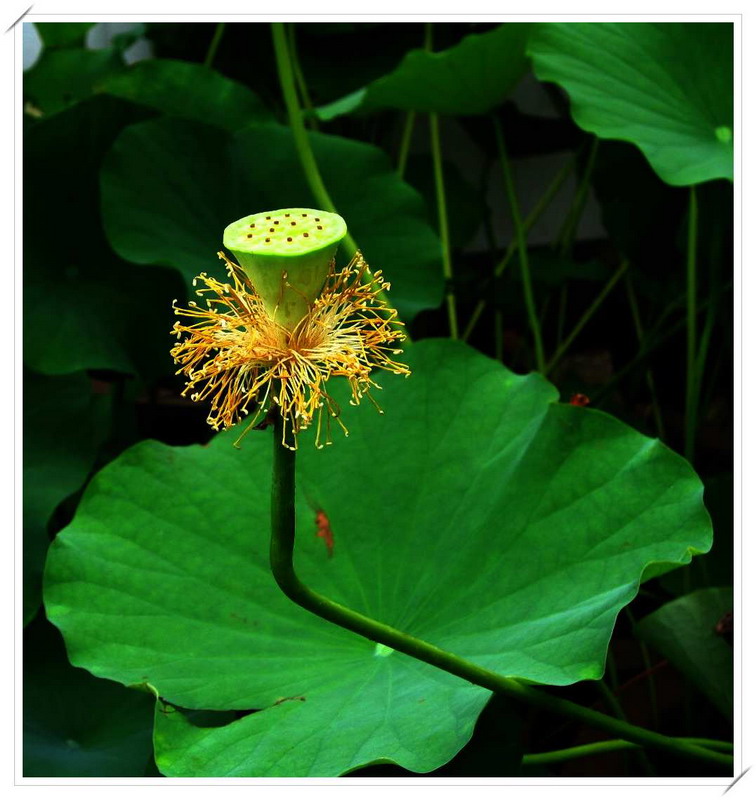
(287, 255)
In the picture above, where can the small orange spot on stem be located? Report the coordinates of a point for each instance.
(580, 400)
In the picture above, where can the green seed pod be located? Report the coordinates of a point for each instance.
(287, 255)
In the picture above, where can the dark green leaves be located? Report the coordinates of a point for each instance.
(189, 91)
(59, 451)
(476, 513)
(471, 78)
(170, 187)
(692, 632)
(666, 87)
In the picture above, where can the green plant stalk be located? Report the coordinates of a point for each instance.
(692, 377)
(609, 746)
(404, 144)
(567, 233)
(650, 382)
(214, 43)
(299, 77)
(301, 140)
(443, 225)
(613, 702)
(530, 220)
(646, 658)
(283, 530)
(522, 248)
(582, 322)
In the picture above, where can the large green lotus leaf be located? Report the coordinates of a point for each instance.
(477, 513)
(84, 308)
(684, 631)
(470, 78)
(189, 91)
(170, 187)
(59, 451)
(666, 87)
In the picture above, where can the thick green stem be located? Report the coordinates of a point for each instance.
(692, 382)
(283, 529)
(443, 225)
(527, 287)
(214, 43)
(582, 322)
(542, 204)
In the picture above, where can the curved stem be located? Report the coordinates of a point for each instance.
(283, 529)
(522, 248)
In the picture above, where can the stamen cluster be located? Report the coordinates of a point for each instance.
(237, 356)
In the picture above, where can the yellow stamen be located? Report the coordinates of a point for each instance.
(234, 353)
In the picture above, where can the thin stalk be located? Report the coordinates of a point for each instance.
(650, 382)
(443, 221)
(214, 43)
(692, 378)
(404, 144)
(612, 701)
(283, 529)
(575, 213)
(299, 77)
(443, 225)
(301, 139)
(649, 671)
(542, 204)
(527, 287)
(581, 323)
(611, 745)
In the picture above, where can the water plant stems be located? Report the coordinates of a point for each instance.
(522, 247)
(283, 530)
(443, 225)
(528, 222)
(633, 301)
(609, 746)
(214, 43)
(692, 379)
(581, 323)
(575, 213)
(404, 144)
(304, 93)
(443, 220)
(301, 139)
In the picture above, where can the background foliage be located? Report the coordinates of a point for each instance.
(134, 169)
